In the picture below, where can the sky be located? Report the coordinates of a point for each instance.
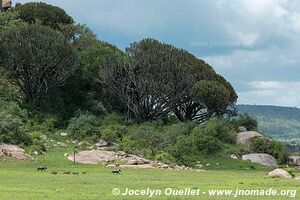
(254, 44)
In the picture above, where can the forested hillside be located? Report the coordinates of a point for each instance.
(281, 123)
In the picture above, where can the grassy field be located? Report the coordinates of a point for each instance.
(19, 180)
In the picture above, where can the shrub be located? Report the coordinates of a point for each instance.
(85, 126)
(220, 129)
(113, 133)
(246, 121)
(164, 157)
(290, 170)
(12, 119)
(274, 148)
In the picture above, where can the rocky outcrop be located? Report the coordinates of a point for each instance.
(101, 143)
(294, 160)
(246, 137)
(13, 151)
(261, 158)
(279, 173)
(119, 159)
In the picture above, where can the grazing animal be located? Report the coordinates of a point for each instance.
(116, 171)
(83, 172)
(75, 173)
(67, 172)
(42, 168)
(54, 172)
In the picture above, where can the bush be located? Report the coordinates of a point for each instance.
(274, 148)
(290, 170)
(85, 126)
(164, 157)
(12, 120)
(220, 129)
(113, 133)
(246, 121)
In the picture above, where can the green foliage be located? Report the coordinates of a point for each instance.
(220, 129)
(36, 59)
(290, 170)
(164, 157)
(43, 13)
(12, 119)
(246, 121)
(213, 95)
(274, 148)
(113, 133)
(84, 126)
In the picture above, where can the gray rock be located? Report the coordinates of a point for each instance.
(261, 158)
(279, 173)
(101, 143)
(64, 134)
(242, 129)
(13, 151)
(232, 156)
(294, 160)
(246, 137)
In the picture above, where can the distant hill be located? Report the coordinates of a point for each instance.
(281, 123)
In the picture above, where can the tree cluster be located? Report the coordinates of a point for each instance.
(48, 56)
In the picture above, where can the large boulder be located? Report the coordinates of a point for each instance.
(246, 137)
(294, 160)
(279, 173)
(93, 157)
(261, 158)
(13, 151)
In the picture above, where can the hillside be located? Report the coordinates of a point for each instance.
(281, 123)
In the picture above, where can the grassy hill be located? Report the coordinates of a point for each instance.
(281, 123)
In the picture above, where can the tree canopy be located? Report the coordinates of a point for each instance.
(36, 58)
(46, 14)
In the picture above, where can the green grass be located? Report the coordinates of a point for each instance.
(19, 180)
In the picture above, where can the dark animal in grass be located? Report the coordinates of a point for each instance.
(54, 172)
(42, 168)
(83, 172)
(75, 173)
(67, 172)
(116, 171)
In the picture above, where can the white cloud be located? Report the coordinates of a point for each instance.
(272, 93)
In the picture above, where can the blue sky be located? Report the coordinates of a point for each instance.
(255, 44)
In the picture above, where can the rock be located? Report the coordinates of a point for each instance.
(261, 158)
(93, 157)
(13, 151)
(101, 143)
(64, 134)
(199, 166)
(246, 137)
(297, 178)
(232, 156)
(44, 137)
(242, 129)
(294, 160)
(135, 160)
(61, 144)
(111, 165)
(122, 154)
(66, 154)
(279, 173)
(36, 153)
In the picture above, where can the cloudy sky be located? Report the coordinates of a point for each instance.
(255, 44)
